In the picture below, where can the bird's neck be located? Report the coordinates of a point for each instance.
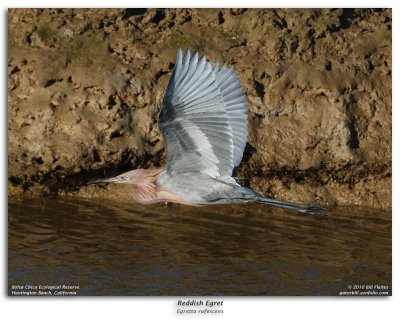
(150, 176)
(147, 191)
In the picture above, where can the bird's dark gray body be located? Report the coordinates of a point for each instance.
(204, 123)
(204, 190)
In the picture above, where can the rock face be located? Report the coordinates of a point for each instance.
(85, 89)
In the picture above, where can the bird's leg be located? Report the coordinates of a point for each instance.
(310, 208)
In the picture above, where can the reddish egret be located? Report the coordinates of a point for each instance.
(204, 124)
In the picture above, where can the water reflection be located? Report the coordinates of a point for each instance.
(128, 249)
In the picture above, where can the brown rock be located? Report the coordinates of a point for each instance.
(85, 88)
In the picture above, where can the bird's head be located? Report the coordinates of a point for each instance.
(137, 177)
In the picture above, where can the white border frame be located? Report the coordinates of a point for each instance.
(235, 307)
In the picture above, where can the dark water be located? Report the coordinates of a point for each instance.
(113, 249)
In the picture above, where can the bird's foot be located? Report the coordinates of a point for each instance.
(314, 209)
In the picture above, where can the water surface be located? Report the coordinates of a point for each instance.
(107, 248)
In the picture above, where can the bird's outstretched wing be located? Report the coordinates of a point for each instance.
(203, 118)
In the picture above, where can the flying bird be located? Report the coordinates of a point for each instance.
(204, 123)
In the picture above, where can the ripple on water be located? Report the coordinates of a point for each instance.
(128, 249)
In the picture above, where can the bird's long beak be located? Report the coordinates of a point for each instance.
(117, 179)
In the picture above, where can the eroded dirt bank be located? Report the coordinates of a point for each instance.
(85, 88)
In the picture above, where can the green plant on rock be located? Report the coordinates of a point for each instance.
(46, 33)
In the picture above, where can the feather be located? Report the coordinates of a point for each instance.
(203, 118)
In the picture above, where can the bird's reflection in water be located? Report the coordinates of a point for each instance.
(127, 249)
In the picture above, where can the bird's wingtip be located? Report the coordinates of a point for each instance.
(186, 58)
(195, 57)
(179, 56)
(203, 59)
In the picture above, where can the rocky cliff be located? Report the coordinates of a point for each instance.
(85, 88)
